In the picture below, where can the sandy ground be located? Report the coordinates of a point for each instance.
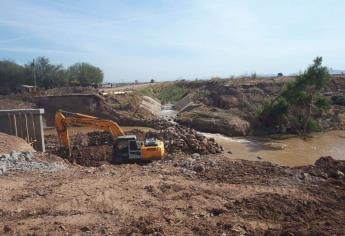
(7, 142)
(212, 196)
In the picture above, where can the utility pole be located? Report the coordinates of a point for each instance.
(34, 70)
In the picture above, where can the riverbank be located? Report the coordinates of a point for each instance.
(231, 106)
(282, 149)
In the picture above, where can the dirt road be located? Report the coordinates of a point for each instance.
(212, 195)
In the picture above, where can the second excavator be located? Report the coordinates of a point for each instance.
(126, 148)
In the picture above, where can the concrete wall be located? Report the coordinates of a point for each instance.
(80, 103)
(151, 105)
(86, 104)
(184, 103)
(24, 123)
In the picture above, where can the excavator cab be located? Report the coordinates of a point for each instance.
(126, 148)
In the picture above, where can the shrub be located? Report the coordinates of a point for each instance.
(338, 100)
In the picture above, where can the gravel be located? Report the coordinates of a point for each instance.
(26, 161)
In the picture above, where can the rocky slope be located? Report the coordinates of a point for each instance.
(230, 106)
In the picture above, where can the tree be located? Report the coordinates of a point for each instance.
(11, 75)
(299, 102)
(44, 74)
(85, 74)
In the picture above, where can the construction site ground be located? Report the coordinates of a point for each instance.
(207, 195)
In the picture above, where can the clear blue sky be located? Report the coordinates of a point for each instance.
(166, 39)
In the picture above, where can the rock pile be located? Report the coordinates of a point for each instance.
(97, 138)
(195, 164)
(26, 161)
(183, 139)
(327, 167)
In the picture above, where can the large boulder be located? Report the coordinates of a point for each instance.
(227, 124)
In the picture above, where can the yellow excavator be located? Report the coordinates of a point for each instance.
(126, 148)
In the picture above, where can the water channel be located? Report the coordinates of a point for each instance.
(278, 149)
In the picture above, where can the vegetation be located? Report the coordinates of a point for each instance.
(338, 100)
(166, 93)
(299, 103)
(44, 74)
(12, 74)
(84, 74)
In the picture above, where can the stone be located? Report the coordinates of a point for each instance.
(7, 229)
(212, 163)
(198, 168)
(196, 155)
(340, 174)
(3, 170)
(85, 229)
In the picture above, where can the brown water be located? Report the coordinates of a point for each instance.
(289, 151)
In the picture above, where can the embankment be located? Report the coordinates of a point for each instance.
(230, 106)
(90, 104)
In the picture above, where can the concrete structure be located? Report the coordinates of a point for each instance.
(27, 88)
(24, 123)
(151, 105)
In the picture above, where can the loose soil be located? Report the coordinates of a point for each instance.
(222, 197)
(9, 143)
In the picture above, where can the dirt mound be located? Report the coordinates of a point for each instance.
(91, 155)
(68, 90)
(10, 143)
(15, 102)
(97, 138)
(328, 163)
(326, 167)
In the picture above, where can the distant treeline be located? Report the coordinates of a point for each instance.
(46, 75)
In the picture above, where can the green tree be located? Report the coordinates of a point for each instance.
(44, 74)
(300, 101)
(11, 75)
(84, 74)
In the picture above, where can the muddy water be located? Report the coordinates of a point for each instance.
(282, 150)
(289, 151)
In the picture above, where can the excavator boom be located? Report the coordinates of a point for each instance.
(77, 119)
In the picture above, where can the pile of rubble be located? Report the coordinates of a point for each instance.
(97, 138)
(26, 161)
(183, 139)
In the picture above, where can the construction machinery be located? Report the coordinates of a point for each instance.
(126, 148)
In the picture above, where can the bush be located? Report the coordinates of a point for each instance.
(165, 93)
(300, 101)
(338, 100)
(172, 94)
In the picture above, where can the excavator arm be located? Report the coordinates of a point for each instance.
(64, 119)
